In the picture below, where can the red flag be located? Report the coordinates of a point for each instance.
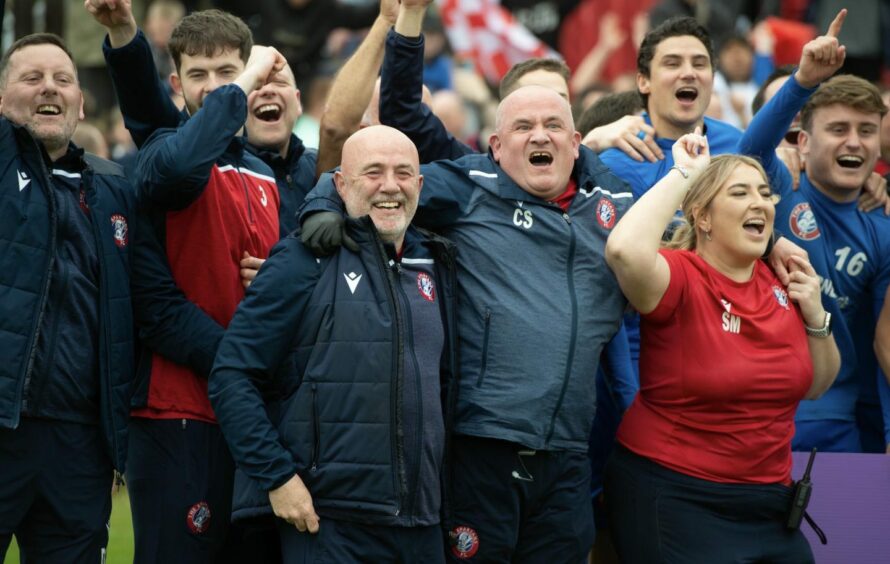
(486, 33)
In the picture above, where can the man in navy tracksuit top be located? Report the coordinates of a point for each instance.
(361, 347)
(66, 338)
(537, 304)
(849, 249)
(208, 201)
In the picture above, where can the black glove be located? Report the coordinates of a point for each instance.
(325, 232)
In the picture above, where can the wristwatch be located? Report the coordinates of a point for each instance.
(681, 169)
(822, 332)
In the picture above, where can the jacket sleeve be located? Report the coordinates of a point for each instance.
(173, 167)
(144, 102)
(168, 323)
(767, 129)
(401, 88)
(323, 197)
(258, 339)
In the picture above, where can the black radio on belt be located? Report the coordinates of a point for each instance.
(801, 496)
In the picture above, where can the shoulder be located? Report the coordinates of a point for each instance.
(103, 166)
(722, 136)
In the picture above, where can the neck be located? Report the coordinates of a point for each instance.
(669, 130)
(737, 271)
(285, 148)
(839, 195)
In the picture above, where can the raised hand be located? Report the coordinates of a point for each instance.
(116, 16)
(805, 291)
(823, 56)
(692, 152)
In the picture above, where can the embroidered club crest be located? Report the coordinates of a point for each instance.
(119, 225)
(198, 517)
(605, 213)
(464, 542)
(781, 296)
(803, 223)
(426, 287)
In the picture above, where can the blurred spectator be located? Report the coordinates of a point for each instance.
(608, 109)
(883, 166)
(714, 15)
(89, 138)
(734, 82)
(121, 145)
(770, 86)
(590, 70)
(23, 13)
(544, 19)
(449, 107)
(300, 28)
(160, 19)
(437, 61)
(313, 108)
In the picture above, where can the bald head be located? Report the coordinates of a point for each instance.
(379, 176)
(529, 95)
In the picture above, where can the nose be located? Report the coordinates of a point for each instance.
(390, 183)
(211, 83)
(853, 139)
(539, 134)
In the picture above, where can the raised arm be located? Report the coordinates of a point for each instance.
(401, 82)
(352, 90)
(141, 95)
(632, 248)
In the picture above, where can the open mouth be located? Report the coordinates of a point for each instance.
(540, 158)
(850, 161)
(268, 112)
(755, 226)
(387, 205)
(49, 110)
(687, 94)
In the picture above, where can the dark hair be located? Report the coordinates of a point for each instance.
(510, 82)
(28, 41)
(674, 27)
(778, 72)
(608, 109)
(208, 33)
(846, 90)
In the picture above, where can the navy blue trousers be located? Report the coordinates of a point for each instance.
(657, 516)
(55, 491)
(515, 505)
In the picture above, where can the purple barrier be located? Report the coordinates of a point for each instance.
(851, 503)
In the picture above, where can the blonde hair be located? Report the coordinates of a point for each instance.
(702, 193)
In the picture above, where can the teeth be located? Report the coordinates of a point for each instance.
(850, 159)
(48, 108)
(267, 108)
(387, 205)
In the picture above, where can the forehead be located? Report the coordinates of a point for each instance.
(745, 174)
(380, 150)
(46, 55)
(533, 104)
(226, 57)
(547, 79)
(839, 113)
(680, 46)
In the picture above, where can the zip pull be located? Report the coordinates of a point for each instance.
(118, 482)
(395, 266)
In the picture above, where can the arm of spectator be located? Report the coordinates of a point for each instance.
(168, 323)
(352, 90)
(874, 194)
(793, 161)
(143, 99)
(632, 248)
(401, 84)
(804, 290)
(250, 357)
(764, 47)
(611, 38)
(624, 134)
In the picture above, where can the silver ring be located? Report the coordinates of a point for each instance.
(641, 135)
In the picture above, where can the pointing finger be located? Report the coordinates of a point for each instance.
(835, 28)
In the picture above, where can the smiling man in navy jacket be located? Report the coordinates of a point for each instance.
(360, 346)
(66, 326)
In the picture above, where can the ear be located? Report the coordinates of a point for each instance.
(495, 143)
(80, 115)
(576, 143)
(703, 219)
(340, 184)
(643, 84)
(175, 83)
(299, 104)
(803, 142)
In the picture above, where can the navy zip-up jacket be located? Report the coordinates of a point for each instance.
(28, 225)
(330, 337)
(537, 300)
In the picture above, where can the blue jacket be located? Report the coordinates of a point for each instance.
(27, 239)
(537, 300)
(333, 354)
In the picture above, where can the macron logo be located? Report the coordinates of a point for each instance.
(23, 180)
(352, 280)
(726, 305)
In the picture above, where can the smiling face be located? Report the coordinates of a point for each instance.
(272, 112)
(199, 75)
(679, 85)
(739, 219)
(535, 141)
(379, 177)
(841, 148)
(42, 94)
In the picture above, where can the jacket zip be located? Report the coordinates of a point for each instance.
(316, 439)
(570, 263)
(44, 294)
(395, 391)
